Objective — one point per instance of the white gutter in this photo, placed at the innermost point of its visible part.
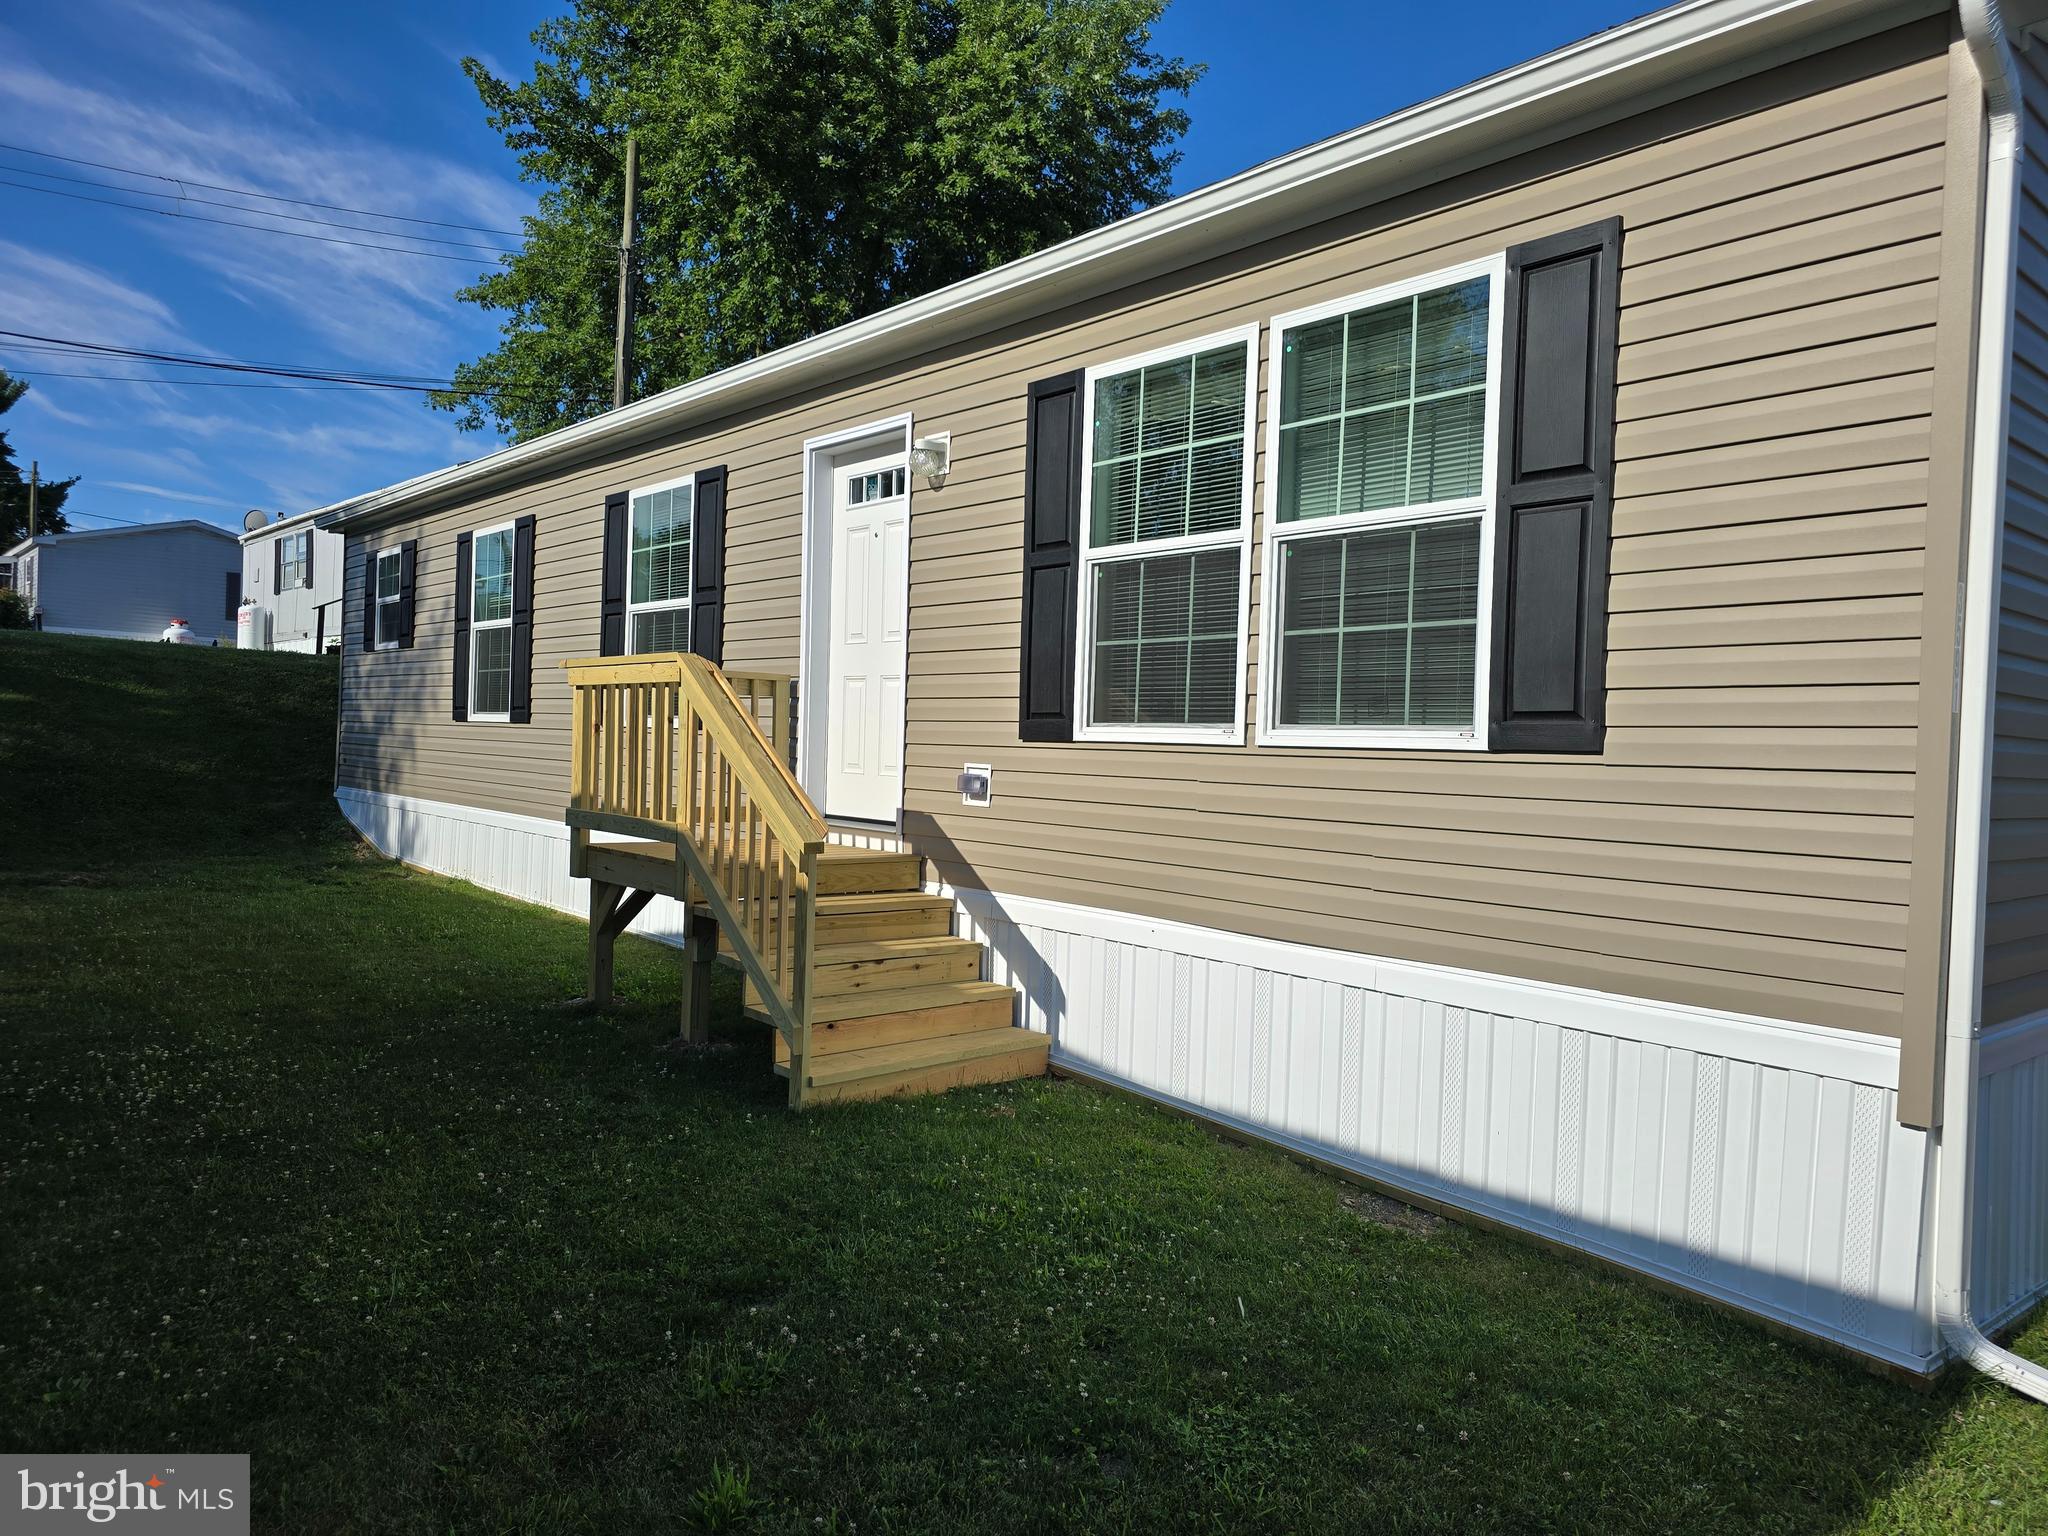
(1956, 1155)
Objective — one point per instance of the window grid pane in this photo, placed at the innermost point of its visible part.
(877, 485)
(491, 688)
(1379, 628)
(661, 546)
(491, 577)
(1168, 456)
(663, 629)
(1385, 407)
(387, 575)
(1165, 649)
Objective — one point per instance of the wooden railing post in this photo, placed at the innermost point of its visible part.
(800, 977)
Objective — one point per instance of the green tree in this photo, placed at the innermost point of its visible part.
(14, 482)
(803, 163)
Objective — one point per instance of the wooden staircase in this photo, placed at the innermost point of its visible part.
(898, 1004)
(854, 966)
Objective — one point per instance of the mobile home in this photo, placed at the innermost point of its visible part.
(291, 577)
(130, 583)
(1506, 652)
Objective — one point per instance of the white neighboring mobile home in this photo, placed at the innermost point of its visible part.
(291, 572)
(129, 583)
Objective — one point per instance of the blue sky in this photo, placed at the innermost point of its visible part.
(365, 106)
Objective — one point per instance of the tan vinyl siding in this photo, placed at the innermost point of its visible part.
(2016, 918)
(1744, 842)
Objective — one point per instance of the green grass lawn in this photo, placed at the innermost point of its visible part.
(301, 1154)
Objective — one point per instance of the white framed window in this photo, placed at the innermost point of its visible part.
(1166, 542)
(390, 593)
(1378, 555)
(291, 560)
(658, 518)
(490, 623)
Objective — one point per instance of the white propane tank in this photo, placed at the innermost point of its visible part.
(180, 633)
(252, 627)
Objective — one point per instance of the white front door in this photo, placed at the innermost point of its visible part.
(868, 655)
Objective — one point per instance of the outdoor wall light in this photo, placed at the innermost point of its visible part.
(932, 457)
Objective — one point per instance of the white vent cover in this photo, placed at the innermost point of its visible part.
(976, 783)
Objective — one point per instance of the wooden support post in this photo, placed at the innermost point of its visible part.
(604, 901)
(697, 958)
(612, 907)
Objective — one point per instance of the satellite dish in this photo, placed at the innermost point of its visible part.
(253, 519)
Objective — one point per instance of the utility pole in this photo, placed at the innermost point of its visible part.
(33, 476)
(622, 349)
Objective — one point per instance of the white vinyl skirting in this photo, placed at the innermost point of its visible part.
(1755, 1161)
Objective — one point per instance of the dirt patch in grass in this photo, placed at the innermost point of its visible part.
(1381, 1211)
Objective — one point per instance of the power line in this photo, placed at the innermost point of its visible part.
(267, 229)
(75, 354)
(186, 181)
(225, 364)
(68, 513)
(499, 391)
(324, 377)
(182, 197)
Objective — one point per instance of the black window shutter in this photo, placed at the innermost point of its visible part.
(522, 620)
(369, 599)
(234, 593)
(408, 562)
(276, 566)
(1555, 487)
(611, 640)
(306, 567)
(461, 678)
(707, 567)
(1052, 510)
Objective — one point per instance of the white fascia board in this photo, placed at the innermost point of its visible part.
(75, 535)
(1676, 51)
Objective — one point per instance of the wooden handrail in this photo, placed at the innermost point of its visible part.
(664, 747)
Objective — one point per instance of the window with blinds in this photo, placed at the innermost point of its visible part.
(490, 624)
(1165, 549)
(658, 576)
(1378, 535)
(390, 592)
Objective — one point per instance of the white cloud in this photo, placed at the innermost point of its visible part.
(215, 41)
(53, 295)
(142, 489)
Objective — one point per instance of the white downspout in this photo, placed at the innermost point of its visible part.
(1955, 1169)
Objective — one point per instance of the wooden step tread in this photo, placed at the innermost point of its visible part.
(881, 901)
(917, 1055)
(842, 853)
(890, 949)
(842, 1006)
